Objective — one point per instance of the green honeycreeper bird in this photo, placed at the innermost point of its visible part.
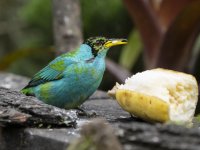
(69, 79)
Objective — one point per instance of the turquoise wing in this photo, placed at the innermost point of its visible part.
(53, 71)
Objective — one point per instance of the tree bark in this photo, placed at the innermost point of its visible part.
(67, 25)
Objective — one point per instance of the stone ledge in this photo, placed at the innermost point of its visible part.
(132, 133)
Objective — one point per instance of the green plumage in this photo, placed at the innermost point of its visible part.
(71, 78)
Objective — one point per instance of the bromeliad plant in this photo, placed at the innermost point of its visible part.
(168, 31)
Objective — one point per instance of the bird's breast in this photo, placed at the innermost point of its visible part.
(84, 75)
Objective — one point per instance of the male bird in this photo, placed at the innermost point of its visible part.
(69, 79)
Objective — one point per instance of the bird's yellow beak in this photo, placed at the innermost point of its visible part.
(114, 42)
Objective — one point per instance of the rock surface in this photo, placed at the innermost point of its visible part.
(17, 109)
(132, 133)
(143, 136)
(11, 81)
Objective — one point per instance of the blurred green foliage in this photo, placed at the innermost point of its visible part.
(105, 17)
(99, 18)
(131, 51)
(37, 18)
(37, 37)
(31, 30)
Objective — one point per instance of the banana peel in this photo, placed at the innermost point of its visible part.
(182, 96)
(149, 108)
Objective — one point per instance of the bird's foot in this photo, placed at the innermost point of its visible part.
(82, 112)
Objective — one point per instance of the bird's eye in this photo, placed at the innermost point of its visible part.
(98, 43)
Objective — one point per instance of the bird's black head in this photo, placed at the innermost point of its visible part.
(99, 44)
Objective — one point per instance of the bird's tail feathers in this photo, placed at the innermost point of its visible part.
(27, 91)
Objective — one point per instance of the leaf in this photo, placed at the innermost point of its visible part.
(169, 9)
(131, 51)
(176, 48)
(145, 19)
(12, 57)
(195, 55)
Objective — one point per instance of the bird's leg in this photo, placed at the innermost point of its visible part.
(82, 112)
